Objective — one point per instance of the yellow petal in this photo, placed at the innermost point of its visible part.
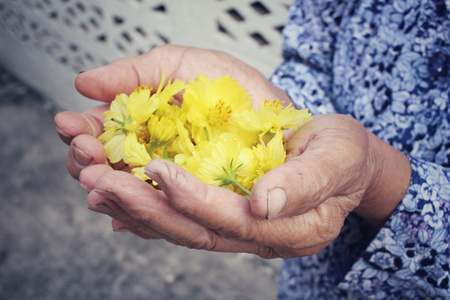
(114, 148)
(135, 153)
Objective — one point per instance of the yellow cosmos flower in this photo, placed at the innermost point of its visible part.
(139, 172)
(226, 163)
(210, 105)
(123, 117)
(136, 154)
(215, 134)
(161, 131)
(270, 118)
(182, 145)
(140, 106)
(269, 156)
(166, 94)
(130, 114)
(115, 132)
(117, 115)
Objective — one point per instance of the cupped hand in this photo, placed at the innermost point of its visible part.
(334, 166)
(124, 75)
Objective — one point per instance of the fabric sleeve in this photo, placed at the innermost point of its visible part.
(411, 252)
(309, 36)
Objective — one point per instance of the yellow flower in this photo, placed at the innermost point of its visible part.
(270, 118)
(161, 131)
(215, 134)
(166, 94)
(117, 115)
(210, 105)
(269, 156)
(225, 162)
(139, 172)
(130, 114)
(126, 114)
(142, 104)
(115, 132)
(136, 154)
(140, 107)
(182, 145)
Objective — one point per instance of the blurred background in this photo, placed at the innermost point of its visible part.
(51, 245)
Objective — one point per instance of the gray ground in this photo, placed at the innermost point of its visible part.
(53, 247)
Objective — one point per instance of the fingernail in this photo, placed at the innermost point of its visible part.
(80, 157)
(85, 187)
(121, 229)
(108, 194)
(276, 201)
(64, 136)
(153, 176)
(103, 209)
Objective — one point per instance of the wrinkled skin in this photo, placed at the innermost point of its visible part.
(334, 166)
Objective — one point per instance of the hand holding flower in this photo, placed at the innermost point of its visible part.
(330, 172)
(124, 75)
(333, 166)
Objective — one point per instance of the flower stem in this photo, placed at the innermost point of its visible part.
(206, 133)
(152, 147)
(166, 154)
(119, 122)
(240, 186)
(230, 177)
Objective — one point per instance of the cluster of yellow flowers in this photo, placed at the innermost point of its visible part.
(215, 133)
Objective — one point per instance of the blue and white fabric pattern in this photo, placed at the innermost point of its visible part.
(387, 64)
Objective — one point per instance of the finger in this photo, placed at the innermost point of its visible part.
(90, 174)
(121, 227)
(322, 162)
(151, 207)
(99, 203)
(229, 214)
(179, 62)
(84, 150)
(70, 124)
(118, 226)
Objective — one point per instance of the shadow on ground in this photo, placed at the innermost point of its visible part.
(53, 247)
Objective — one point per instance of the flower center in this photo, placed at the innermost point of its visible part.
(219, 114)
(142, 134)
(274, 106)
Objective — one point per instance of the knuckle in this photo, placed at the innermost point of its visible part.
(328, 229)
(202, 240)
(249, 233)
(267, 252)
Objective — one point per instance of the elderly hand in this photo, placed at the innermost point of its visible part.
(334, 166)
(295, 209)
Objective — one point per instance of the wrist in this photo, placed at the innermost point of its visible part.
(391, 174)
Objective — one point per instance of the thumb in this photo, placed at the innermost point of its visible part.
(125, 74)
(324, 161)
(104, 83)
(291, 188)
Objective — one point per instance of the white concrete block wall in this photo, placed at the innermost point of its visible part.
(47, 42)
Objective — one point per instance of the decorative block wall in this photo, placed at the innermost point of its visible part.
(47, 42)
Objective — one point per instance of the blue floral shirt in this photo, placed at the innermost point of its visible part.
(386, 63)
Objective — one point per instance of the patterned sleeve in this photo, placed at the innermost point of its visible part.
(401, 95)
(305, 74)
(411, 252)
